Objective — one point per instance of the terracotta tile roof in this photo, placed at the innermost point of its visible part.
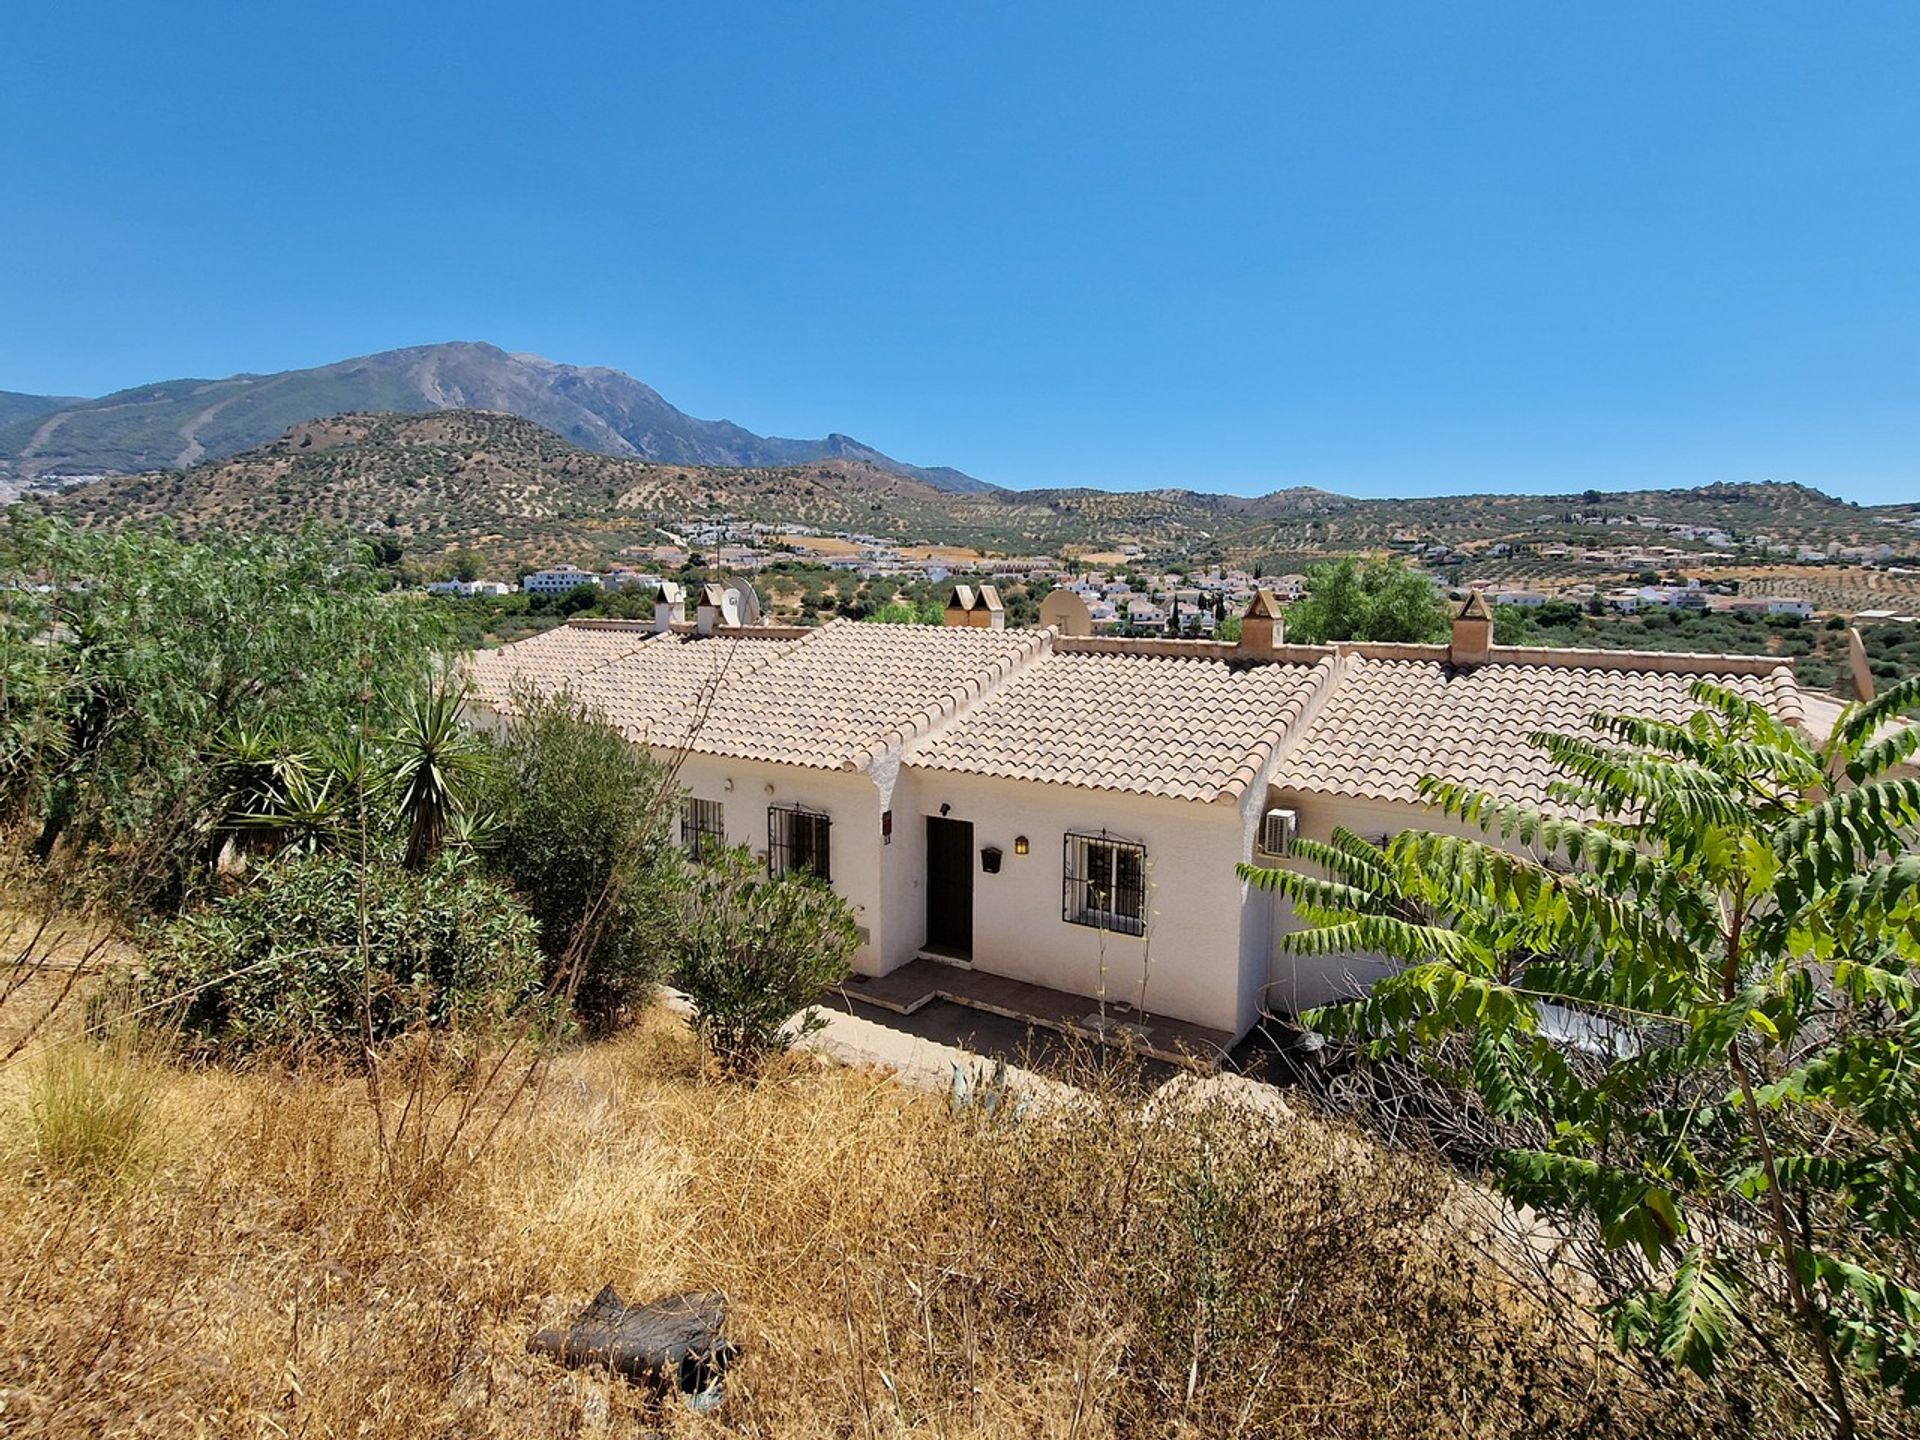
(665, 692)
(1190, 728)
(1388, 723)
(833, 698)
(642, 681)
(848, 692)
(550, 660)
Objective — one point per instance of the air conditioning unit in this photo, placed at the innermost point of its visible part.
(1277, 830)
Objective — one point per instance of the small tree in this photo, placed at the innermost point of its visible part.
(581, 825)
(1513, 625)
(435, 764)
(757, 951)
(126, 655)
(1731, 938)
(1382, 600)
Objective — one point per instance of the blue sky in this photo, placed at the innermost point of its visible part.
(1386, 249)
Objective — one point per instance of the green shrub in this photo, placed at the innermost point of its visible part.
(279, 966)
(757, 951)
(122, 677)
(583, 828)
(1378, 599)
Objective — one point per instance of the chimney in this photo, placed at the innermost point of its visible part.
(1472, 632)
(711, 613)
(988, 612)
(670, 608)
(1256, 626)
(960, 603)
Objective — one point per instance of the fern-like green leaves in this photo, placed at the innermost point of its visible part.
(1721, 920)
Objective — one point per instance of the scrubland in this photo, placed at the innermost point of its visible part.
(272, 1251)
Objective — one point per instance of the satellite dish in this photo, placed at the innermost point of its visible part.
(741, 603)
(1066, 612)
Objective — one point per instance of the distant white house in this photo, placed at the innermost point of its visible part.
(467, 589)
(1525, 599)
(558, 581)
(621, 578)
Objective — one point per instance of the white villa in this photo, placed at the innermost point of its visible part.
(1065, 811)
(558, 581)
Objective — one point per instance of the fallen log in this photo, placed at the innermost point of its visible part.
(675, 1343)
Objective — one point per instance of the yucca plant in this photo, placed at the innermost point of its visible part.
(435, 764)
(1690, 994)
(258, 770)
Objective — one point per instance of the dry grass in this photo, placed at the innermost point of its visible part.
(894, 1270)
(90, 1110)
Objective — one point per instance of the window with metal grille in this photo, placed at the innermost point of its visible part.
(703, 827)
(798, 839)
(1105, 883)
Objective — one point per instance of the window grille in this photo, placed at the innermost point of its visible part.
(1105, 883)
(703, 827)
(798, 840)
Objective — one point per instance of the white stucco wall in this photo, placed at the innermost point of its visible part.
(745, 788)
(1189, 964)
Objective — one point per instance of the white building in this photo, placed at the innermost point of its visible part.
(622, 578)
(1525, 599)
(558, 581)
(467, 589)
(1068, 811)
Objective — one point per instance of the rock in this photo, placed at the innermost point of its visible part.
(675, 1343)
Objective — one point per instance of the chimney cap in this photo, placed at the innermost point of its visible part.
(1476, 607)
(1265, 605)
(960, 598)
(989, 599)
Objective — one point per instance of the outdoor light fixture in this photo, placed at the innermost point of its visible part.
(1019, 844)
(945, 808)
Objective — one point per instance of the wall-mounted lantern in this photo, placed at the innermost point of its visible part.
(1019, 844)
(990, 859)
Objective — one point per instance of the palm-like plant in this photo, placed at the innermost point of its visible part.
(1735, 912)
(257, 771)
(434, 762)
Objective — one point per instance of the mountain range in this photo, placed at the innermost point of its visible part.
(178, 424)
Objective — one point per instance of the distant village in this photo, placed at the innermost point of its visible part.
(1129, 589)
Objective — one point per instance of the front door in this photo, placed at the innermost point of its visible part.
(950, 887)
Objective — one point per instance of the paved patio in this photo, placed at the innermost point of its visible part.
(920, 982)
